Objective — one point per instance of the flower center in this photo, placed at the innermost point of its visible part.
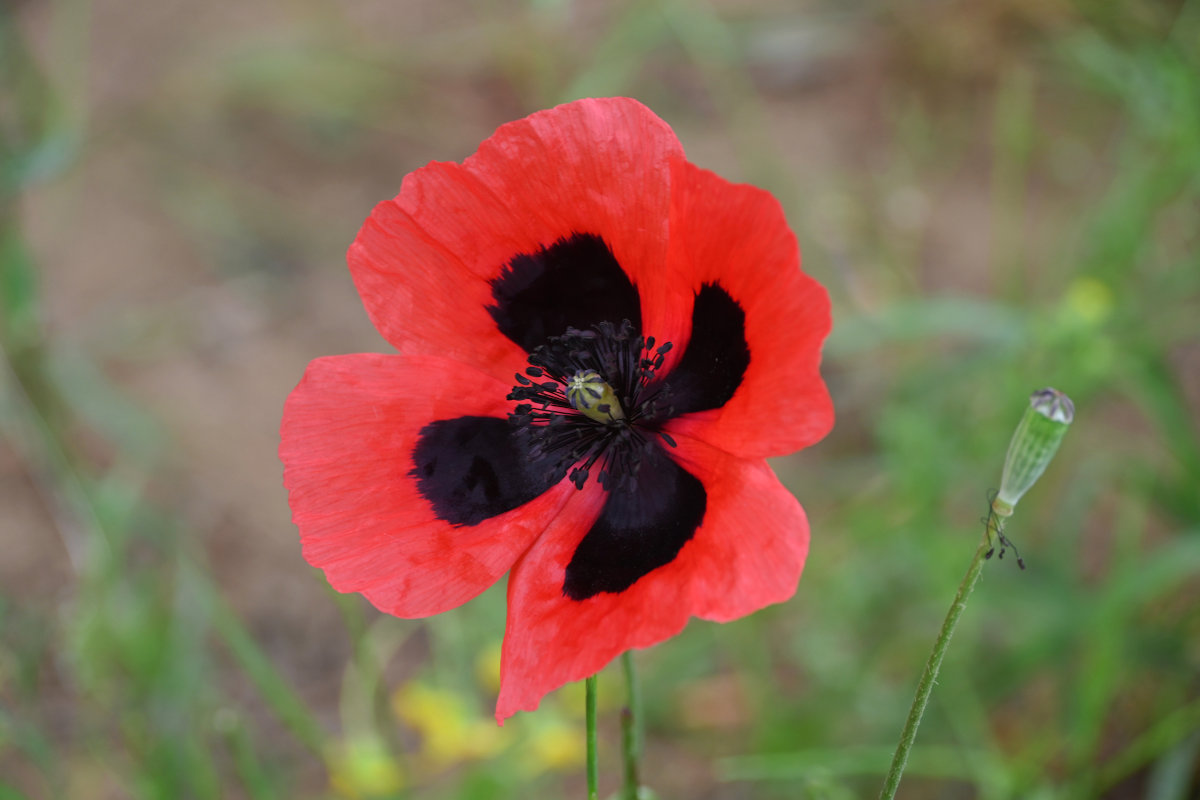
(587, 399)
(590, 395)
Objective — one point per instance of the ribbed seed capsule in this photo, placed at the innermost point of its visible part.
(591, 396)
(1033, 445)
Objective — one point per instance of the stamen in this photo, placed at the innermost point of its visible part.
(591, 403)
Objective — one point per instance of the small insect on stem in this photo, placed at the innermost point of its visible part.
(994, 521)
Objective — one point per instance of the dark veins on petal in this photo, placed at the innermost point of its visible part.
(472, 468)
(640, 529)
(575, 282)
(712, 367)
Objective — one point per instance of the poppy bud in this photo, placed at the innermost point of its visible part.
(591, 396)
(1033, 444)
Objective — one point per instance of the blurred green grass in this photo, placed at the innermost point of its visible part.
(998, 195)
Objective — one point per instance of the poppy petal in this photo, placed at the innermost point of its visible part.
(736, 237)
(472, 468)
(641, 528)
(425, 262)
(748, 553)
(751, 549)
(349, 433)
(575, 282)
(714, 363)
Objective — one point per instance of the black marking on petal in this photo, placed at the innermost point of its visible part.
(643, 526)
(473, 468)
(715, 361)
(575, 282)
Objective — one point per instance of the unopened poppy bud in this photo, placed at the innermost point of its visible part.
(1033, 444)
(591, 396)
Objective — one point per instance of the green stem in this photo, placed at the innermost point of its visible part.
(590, 703)
(631, 731)
(929, 677)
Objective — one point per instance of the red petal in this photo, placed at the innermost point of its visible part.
(347, 438)
(423, 261)
(737, 235)
(748, 553)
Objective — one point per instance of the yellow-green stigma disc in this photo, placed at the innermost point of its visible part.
(591, 396)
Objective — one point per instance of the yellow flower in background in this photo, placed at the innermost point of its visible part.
(551, 744)
(361, 768)
(487, 667)
(1088, 301)
(451, 732)
(1079, 328)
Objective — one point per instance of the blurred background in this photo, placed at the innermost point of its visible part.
(998, 194)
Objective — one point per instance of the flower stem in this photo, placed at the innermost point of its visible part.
(991, 533)
(590, 704)
(631, 731)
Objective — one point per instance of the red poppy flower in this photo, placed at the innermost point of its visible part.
(599, 344)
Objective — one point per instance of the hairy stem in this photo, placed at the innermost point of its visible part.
(590, 704)
(631, 731)
(991, 533)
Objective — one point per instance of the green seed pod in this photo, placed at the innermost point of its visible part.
(591, 396)
(1033, 444)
